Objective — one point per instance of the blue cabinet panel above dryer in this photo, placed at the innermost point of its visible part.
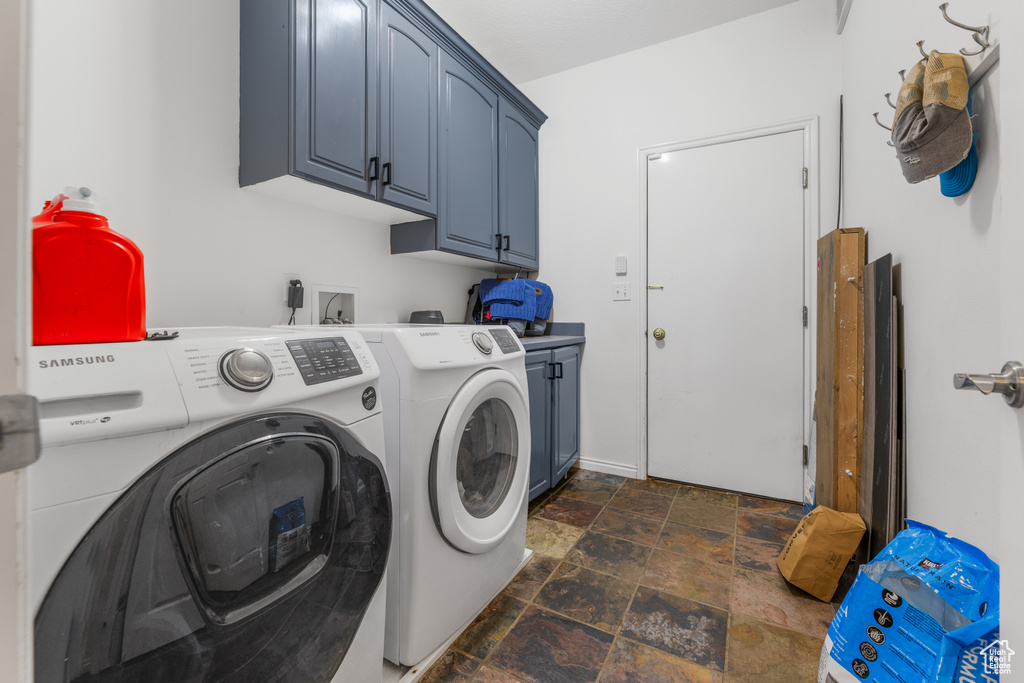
(519, 215)
(468, 213)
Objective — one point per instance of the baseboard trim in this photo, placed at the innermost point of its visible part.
(609, 468)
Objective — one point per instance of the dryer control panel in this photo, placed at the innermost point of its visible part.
(324, 360)
(506, 340)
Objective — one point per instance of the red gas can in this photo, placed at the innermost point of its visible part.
(88, 284)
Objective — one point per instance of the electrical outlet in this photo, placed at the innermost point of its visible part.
(620, 291)
(286, 283)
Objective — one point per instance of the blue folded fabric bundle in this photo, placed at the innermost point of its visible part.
(505, 291)
(512, 299)
(545, 300)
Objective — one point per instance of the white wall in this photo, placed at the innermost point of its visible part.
(139, 101)
(773, 67)
(780, 65)
(949, 249)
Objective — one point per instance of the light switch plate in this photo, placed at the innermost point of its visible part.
(620, 291)
(620, 265)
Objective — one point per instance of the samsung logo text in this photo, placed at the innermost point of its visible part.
(77, 360)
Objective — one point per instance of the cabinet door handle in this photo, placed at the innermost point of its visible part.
(499, 242)
(507, 242)
(558, 371)
(551, 371)
(386, 173)
(374, 163)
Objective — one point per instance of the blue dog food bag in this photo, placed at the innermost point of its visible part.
(926, 609)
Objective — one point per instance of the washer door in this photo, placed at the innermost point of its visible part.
(251, 553)
(481, 462)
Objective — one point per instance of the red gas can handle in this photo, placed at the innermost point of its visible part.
(49, 209)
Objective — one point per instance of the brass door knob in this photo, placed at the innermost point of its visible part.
(659, 333)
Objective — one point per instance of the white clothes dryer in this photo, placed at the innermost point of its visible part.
(212, 507)
(457, 434)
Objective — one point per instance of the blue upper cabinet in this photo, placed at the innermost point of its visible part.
(325, 129)
(519, 215)
(383, 100)
(408, 114)
(335, 131)
(468, 211)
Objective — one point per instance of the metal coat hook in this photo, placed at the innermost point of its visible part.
(980, 40)
(888, 142)
(979, 33)
(888, 100)
(920, 46)
(903, 75)
(975, 29)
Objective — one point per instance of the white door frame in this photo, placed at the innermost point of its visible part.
(809, 127)
(15, 292)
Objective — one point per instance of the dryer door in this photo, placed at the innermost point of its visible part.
(481, 462)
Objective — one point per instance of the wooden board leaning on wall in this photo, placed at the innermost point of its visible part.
(839, 402)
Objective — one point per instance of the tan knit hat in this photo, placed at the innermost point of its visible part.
(932, 129)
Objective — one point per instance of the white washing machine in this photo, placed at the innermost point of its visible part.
(457, 433)
(209, 508)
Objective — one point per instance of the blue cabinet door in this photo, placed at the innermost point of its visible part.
(566, 411)
(539, 395)
(335, 123)
(408, 114)
(519, 217)
(467, 211)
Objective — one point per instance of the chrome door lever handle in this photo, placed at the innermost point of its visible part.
(1008, 383)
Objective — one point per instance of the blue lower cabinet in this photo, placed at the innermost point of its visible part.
(554, 393)
(539, 390)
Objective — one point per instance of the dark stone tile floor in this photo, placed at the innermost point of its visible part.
(646, 581)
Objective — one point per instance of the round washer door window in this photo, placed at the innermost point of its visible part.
(481, 465)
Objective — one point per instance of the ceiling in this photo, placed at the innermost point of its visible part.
(529, 39)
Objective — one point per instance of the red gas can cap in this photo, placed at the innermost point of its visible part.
(80, 199)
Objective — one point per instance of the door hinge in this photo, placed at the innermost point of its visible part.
(805, 316)
(805, 177)
(19, 431)
(805, 456)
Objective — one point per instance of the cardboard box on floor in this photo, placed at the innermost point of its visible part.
(819, 550)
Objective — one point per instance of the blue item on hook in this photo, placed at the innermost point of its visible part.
(958, 180)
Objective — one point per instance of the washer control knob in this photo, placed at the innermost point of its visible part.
(483, 342)
(246, 369)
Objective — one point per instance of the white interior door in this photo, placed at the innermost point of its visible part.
(1011, 470)
(725, 250)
